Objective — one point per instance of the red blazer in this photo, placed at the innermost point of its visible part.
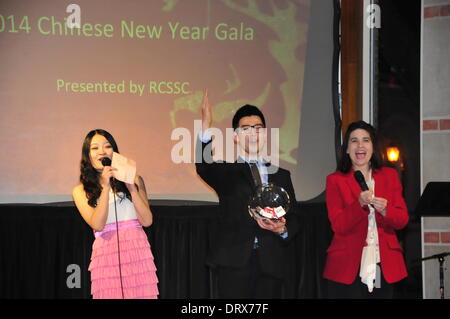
(349, 223)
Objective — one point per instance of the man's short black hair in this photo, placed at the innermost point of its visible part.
(247, 110)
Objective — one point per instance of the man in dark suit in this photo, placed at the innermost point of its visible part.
(249, 256)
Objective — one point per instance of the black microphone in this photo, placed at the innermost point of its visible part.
(362, 182)
(360, 179)
(106, 161)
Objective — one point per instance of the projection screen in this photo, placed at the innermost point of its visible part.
(138, 69)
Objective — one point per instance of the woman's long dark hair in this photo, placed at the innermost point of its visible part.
(345, 163)
(89, 176)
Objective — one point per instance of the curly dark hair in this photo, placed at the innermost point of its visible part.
(90, 177)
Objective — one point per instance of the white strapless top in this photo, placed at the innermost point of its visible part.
(125, 209)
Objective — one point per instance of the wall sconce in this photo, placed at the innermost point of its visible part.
(393, 154)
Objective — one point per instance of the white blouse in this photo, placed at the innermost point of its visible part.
(369, 271)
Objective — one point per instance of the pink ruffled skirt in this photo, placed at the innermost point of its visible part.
(138, 269)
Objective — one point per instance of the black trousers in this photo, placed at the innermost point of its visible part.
(358, 290)
(248, 282)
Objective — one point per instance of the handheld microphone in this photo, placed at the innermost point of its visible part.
(106, 161)
(362, 182)
(360, 179)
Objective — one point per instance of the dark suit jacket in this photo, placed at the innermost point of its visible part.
(234, 233)
(349, 223)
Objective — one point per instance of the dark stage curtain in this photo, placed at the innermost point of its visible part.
(39, 242)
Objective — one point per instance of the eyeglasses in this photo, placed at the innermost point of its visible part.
(247, 129)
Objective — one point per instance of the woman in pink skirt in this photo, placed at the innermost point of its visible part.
(122, 263)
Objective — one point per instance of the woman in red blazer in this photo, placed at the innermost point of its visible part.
(365, 257)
